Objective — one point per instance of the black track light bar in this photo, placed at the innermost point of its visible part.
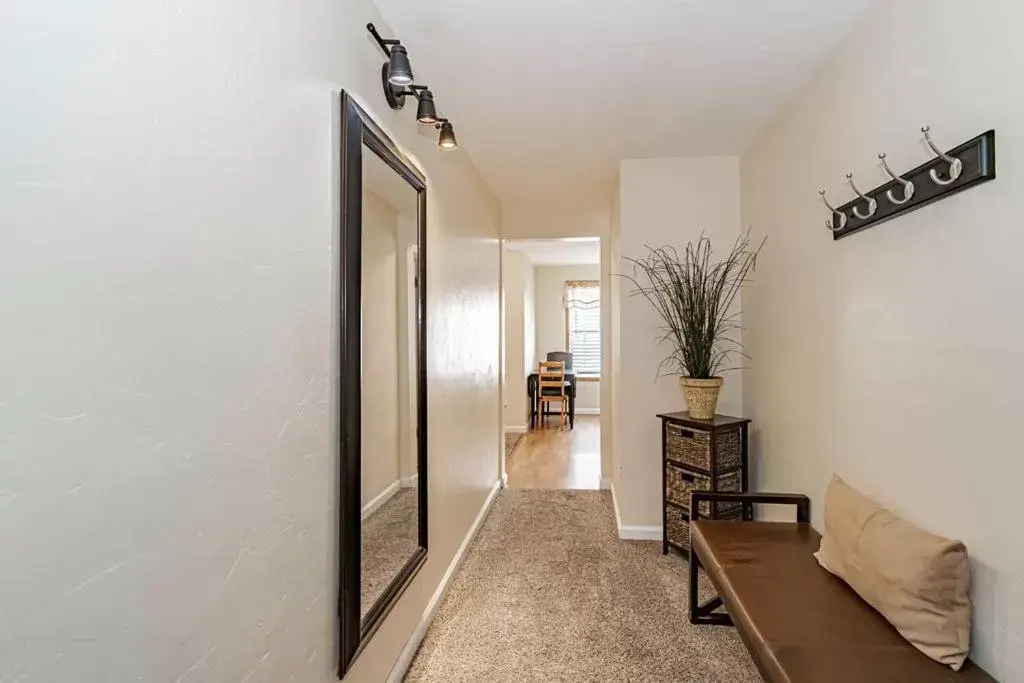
(384, 43)
(414, 90)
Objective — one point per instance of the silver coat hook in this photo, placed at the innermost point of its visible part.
(872, 204)
(956, 167)
(841, 220)
(908, 187)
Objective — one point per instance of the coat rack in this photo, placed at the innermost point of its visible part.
(963, 167)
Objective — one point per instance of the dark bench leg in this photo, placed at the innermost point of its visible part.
(704, 614)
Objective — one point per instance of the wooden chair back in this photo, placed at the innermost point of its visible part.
(551, 375)
(551, 388)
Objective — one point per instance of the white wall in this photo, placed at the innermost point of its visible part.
(168, 197)
(663, 202)
(380, 268)
(407, 363)
(611, 340)
(518, 296)
(893, 356)
(529, 304)
(550, 308)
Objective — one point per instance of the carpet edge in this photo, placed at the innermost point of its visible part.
(412, 646)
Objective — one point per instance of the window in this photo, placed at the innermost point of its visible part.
(583, 326)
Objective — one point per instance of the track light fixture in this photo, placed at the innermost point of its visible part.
(446, 140)
(396, 78)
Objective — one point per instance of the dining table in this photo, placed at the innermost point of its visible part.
(570, 391)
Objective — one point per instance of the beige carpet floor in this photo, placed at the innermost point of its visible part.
(548, 592)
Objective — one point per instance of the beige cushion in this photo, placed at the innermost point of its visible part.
(920, 582)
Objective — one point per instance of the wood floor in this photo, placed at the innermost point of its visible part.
(555, 459)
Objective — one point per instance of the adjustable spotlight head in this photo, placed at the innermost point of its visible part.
(399, 69)
(396, 73)
(425, 110)
(446, 140)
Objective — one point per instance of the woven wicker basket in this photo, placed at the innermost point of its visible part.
(678, 528)
(679, 484)
(701, 396)
(693, 448)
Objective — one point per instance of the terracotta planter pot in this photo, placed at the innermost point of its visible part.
(701, 396)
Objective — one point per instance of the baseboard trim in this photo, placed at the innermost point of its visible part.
(521, 429)
(409, 651)
(640, 533)
(633, 533)
(410, 481)
(606, 484)
(383, 497)
(615, 504)
(588, 411)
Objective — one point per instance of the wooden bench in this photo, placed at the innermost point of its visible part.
(799, 622)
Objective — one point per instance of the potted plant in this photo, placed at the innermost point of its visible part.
(695, 297)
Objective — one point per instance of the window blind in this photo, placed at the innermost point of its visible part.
(583, 319)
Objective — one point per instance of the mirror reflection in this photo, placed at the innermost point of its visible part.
(390, 524)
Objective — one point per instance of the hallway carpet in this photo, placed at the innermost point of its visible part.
(548, 592)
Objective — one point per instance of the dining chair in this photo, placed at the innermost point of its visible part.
(551, 388)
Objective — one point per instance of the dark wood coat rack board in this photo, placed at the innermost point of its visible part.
(979, 166)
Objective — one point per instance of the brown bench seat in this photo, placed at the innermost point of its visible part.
(800, 623)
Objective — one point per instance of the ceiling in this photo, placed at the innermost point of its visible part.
(559, 252)
(548, 95)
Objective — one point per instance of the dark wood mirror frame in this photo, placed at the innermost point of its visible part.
(357, 130)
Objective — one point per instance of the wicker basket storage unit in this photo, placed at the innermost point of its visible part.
(700, 455)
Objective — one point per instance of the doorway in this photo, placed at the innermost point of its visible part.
(551, 298)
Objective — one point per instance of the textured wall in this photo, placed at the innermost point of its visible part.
(663, 202)
(168, 204)
(611, 339)
(530, 356)
(517, 291)
(893, 356)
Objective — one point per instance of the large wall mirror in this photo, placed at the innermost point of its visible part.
(382, 381)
